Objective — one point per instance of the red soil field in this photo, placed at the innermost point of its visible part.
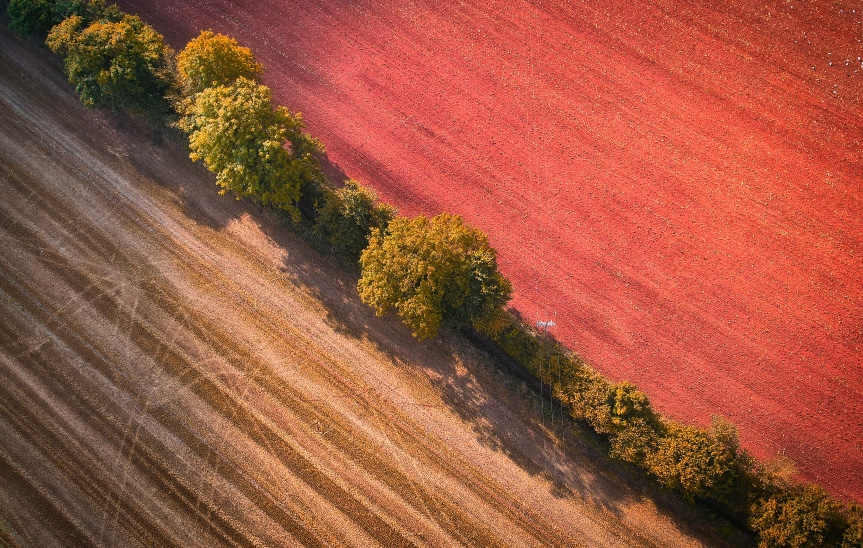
(679, 183)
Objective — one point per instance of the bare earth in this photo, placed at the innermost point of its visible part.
(680, 181)
(178, 370)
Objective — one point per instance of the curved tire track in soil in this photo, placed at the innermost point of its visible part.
(178, 371)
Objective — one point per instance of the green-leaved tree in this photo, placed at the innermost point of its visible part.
(124, 65)
(347, 218)
(255, 150)
(433, 272)
(34, 18)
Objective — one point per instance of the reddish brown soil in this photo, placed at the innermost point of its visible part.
(680, 183)
(177, 370)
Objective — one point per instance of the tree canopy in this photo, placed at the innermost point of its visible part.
(434, 272)
(122, 64)
(255, 150)
(36, 17)
(33, 17)
(695, 461)
(214, 60)
(798, 517)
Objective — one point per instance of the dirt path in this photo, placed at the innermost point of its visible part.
(177, 370)
(680, 182)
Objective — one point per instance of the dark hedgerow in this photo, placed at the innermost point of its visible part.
(35, 18)
(433, 272)
(347, 217)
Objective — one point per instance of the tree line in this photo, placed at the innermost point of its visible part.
(435, 273)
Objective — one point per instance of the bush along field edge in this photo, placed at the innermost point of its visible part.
(433, 272)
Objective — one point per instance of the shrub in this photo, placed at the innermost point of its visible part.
(797, 517)
(516, 340)
(636, 442)
(434, 272)
(618, 410)
(118, 64)
(695, 462)
(32, 17)
(35, 18)
(853, 518)
(347, 218)
(627, 416)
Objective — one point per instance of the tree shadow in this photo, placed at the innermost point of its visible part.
(505, 413)
(332, 170)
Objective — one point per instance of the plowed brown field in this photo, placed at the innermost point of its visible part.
(178, 371)
(679, 181)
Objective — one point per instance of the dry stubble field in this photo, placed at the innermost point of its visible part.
(178, 370)
(680, 181)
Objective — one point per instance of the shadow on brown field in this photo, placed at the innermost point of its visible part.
(499, 411)
(477, 390)
(503, 413)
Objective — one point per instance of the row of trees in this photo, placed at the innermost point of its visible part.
(433, 272)
(705, 465)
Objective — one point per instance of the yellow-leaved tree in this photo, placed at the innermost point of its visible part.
(698, 462)
(255, 150)
(212, 60)
(433, 272)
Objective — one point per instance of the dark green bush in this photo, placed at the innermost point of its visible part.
(32, 18)
(347, 217)
(35, 18)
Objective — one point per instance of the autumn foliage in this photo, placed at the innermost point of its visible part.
(433, 272)
(256, 151)
(122, 64)
(215, 60)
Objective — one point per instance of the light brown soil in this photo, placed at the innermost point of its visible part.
(679, 181)
(179, 370)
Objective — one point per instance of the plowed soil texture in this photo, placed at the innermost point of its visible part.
(676, 184)
(178, 370)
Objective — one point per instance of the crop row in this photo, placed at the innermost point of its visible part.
(434, 273)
